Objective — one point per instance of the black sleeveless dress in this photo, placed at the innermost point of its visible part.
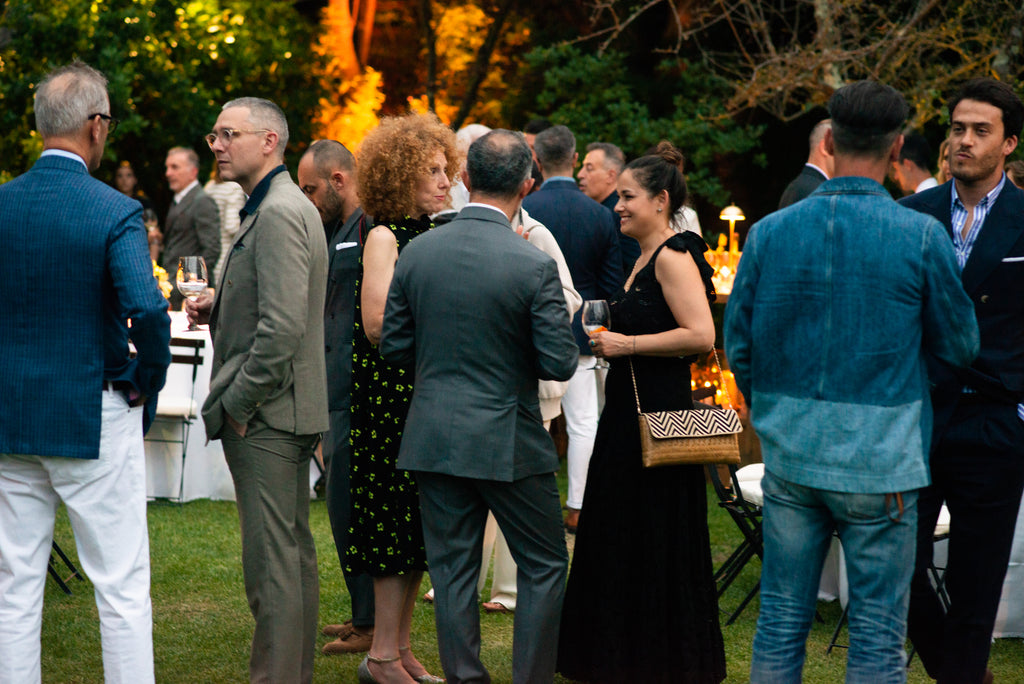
(385, 536)
(641, 603)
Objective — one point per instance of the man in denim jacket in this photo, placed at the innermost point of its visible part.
(837, 302)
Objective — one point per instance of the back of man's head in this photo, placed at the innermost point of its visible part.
(264, 114)
(916, 149)
(867, 118)
(555, 148)
(818, 135)
(330, 156)
(997, 94)
(67, 97)
(535, 126)
(498, 163)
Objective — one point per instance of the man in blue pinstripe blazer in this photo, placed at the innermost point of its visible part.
(71, 394)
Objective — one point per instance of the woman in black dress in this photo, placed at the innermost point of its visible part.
(641, 604)
(405, 167)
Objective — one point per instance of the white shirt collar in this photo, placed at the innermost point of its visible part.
(486, 206)
(927, 183)
(818, 169)
(188, 188)
(63, 153)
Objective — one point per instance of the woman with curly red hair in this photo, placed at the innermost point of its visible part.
(405, 170)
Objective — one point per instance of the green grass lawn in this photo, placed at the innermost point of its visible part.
(202, 624)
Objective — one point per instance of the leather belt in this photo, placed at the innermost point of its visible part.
(117, 386)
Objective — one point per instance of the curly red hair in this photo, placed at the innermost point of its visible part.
(394, 156)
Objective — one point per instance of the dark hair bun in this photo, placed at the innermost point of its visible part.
(671, 154)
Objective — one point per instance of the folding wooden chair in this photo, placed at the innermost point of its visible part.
(62, 582)
(747, 516)
(181, 409)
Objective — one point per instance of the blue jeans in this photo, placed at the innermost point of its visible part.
(798, 525)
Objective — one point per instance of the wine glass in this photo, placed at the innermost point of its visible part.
(191, 280)
(596, 318)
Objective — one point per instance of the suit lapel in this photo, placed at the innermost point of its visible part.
(177, 209)
(243, 230)
(1001, 230)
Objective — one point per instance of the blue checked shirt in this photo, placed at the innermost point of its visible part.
(965, 243)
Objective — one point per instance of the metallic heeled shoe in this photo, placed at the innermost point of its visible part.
(363, 672)
(426, 678)
(429, 679)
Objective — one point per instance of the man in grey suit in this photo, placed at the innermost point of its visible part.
(268, 386)
(327, 176)
(192, 227)
(482, 315)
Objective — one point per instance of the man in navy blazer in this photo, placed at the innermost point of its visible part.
(816, 171)
(327, 176)
(977, 457)
(71, 426)
(586, 234)
(481, 315)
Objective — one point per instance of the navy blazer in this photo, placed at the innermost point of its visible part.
(345, 251)
(994, 280)
(75, 268)
(806, 182)
(586, 234)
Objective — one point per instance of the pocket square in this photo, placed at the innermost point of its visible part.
(1010, 260)
(345, 245)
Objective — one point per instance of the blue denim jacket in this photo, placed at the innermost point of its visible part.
(837, 301)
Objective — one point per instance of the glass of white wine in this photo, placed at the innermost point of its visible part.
(596, 317)
(191, 280)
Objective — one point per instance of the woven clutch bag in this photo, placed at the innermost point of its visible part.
(694, 436)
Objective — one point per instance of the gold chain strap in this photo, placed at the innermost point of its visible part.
(725, 387)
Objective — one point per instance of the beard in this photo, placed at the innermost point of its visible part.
(975, 169)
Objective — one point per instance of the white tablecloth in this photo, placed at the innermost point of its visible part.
(206, 471)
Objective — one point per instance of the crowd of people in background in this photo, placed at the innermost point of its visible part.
(411, 315)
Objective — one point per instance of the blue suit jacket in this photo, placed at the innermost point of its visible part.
(75, 267)
(586, 234)
(994, 280)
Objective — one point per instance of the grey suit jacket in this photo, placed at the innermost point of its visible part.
(267, 319)
(192, 228)
(482, 314)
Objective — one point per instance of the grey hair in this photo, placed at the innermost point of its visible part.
(264, 114)
(189, 153)
(818, 134)
(66, 98)
(554, 147)
(498, 163)
(614, 158)
(330, 156)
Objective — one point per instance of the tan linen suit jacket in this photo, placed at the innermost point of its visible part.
(267, 319)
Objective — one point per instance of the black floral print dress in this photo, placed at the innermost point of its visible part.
(385, 537)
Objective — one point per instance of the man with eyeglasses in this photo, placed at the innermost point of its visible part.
(74, 397)
(268, 388)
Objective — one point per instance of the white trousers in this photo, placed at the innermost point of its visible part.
(106, 503)
(580, 407)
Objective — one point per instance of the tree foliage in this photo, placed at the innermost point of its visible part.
(788, 56)
(353, 93)
(171, 65)
(600, 99)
